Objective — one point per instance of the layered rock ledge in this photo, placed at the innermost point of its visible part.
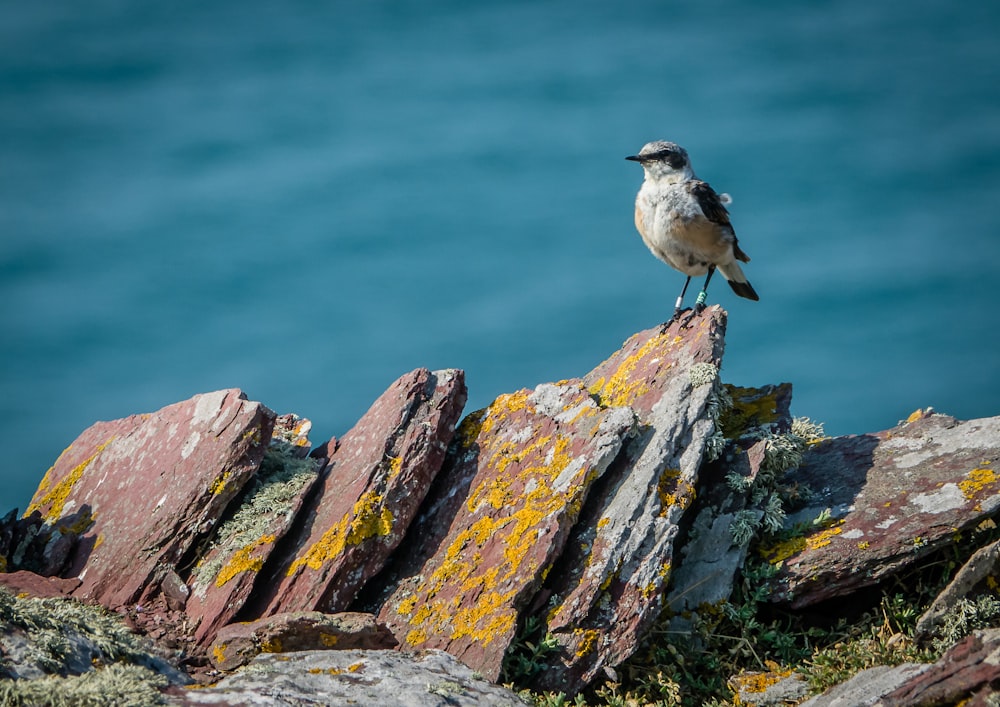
(583, 515)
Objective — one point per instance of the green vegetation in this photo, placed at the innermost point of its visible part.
(65, 633)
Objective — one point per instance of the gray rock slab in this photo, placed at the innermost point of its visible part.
(893, 497)
(386, 678)
(144, 489)
(867, 687)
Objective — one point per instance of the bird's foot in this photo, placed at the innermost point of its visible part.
(699, 307)
(676, 317)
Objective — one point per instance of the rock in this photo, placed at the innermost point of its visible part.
(384, 678)
(32, 544)
(983, 566)
(608, 588)
(62, 636)
(774, 687)
(224, 577)
(710, 559)
(237, 644)
(375, 480)
(23, 582)
(515, 480)
(146, 488)
(893, 497)
(969, 673)
(867, 687)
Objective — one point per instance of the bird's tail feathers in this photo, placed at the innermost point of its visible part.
(738, 281)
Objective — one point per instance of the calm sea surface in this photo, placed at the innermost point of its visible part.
(307, 200)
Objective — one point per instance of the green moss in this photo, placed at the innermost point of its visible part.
(51, 622)
(113, 686)
(279, 481)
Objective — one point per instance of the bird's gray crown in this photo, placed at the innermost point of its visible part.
(662, 151)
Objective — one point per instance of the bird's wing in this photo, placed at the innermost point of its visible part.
(711, 205)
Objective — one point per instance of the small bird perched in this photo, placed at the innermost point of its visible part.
(684, 222)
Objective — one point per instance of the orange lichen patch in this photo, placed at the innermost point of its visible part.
(55, 498)
(271, 645)
(243, 560)
(672, 491)
(395, 466)
(505, 511)
(368, 519)
(783, 550)
(219, 653)
(469, 428)
(755, 683)
(586, 640)
(219, 485)
(603, 522)
(749, 409)
(978, 480)
(623, 386)
(329, 639)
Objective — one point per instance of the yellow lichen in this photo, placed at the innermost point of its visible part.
(219, 653)
(368, 519)
(788, 548)
(520, 480)
(219, 485)
(271, 645)
(55, 498)
(242, 561)
(976, 481)
(624, 387)
(329, 639)
(586, 640)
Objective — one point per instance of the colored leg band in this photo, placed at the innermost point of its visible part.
(701, 297)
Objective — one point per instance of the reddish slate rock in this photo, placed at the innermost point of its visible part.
(222, 581)
(894, 497)
(237, 644)
(608, 588)
(373, 485)
(35, 585)
(145, 488)
(968, 674)
(515, 481)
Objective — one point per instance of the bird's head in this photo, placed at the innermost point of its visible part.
(662, 160)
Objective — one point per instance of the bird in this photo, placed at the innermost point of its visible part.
(684, 222)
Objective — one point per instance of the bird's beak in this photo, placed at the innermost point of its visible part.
(634, 158)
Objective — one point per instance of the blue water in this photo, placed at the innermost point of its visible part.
(307, 200)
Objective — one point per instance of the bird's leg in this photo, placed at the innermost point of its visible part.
(699, 303)
(680, 301)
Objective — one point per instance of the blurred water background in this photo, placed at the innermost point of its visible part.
(306, 200)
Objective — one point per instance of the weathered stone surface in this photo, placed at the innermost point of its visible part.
(376, 478)
(894, 497)
(867, 687)
(237, 644)
(144, 488)
(384, 678)
(515, 481)
(709, 559)
(608, 587)
(32, 544)
(775, 687)
(222, 581)
(983, 566)
(969, 673)
(36, 585)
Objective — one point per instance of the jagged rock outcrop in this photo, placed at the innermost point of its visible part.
(501, 513)
(578, 510)
(353, 677)
(607, 588)
(891, 498)
(373, 485)
(238, 643)
(138, 493)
